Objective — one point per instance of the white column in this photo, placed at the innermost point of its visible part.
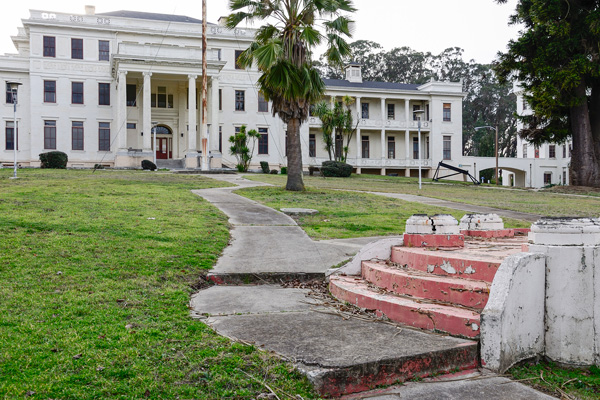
(122, 110)
(213, 139)
(383, 119)
(358, 137)
(407, 136)
(147, 113)
(192, 114)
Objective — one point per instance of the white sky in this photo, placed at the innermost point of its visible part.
(480, 27)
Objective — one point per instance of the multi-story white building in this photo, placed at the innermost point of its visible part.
(99, 87)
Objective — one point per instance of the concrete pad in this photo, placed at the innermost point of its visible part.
(475, 387)
(231, 300)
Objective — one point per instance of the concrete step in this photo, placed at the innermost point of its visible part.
(170, 164)
(414, 312)
(407, 281)
(448, 263)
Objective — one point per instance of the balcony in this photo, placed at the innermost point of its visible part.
(153, 52)
(364, 123)
(376, 162)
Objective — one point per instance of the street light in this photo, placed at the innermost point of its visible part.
(495, 147)
(419, 113)
(154, 123)
(14, 87)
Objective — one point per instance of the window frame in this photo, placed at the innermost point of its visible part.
(129, 93)
(103, 94)
(263, 141)
(49, 49)
(74, 93)
(9, 94)
(365, 147)
(77, 135)
(364, 110)
(12, 135)
(48, 92)
(240, 100)
(49, 134)
(447, 150)
(416, 107)
(103, 141)
(103, 54)
(391, 112)
(312, 145)
(76, 49)
(416, 150)
(552, 151)
(262, 102)
(237, 55)
(391, 141)
(447, 112)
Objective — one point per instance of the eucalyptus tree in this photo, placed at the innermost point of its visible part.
(282, 50)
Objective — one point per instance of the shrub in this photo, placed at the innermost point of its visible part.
(98, 166)
(274, 172)
(336, 169)
(147, 164)
(240, 147)
(54, 160)
(283, 170)
(265, 167)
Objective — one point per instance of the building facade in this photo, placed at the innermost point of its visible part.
(120, 87)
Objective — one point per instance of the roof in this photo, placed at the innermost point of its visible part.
(371, 85)
(152, 16)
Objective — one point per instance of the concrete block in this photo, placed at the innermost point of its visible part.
(380, 250)
(435, 241)
(481, 222)
(566, 232)
(512, 323)
(438, 224)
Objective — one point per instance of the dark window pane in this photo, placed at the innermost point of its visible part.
(263, 105)
(365, 110)
(391, 147)
(131, 95)
(77, 49)
(237, 56)
(447, 112)
(50, 135)
(50, 91)
(104, 136)
(162, 97)
(391, 111)
(415, 148)
(131, 125)
(103, 50)
(77, 135)
(312, 145)
(104, 94)
(263, 141)
(240, 100)
(9, 95)
(10, 138)
(447, 148)
(77, 92)
(49, 46)
(365, 147)
(220, 99)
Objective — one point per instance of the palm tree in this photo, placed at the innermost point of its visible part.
(336, 124)
(282, 50)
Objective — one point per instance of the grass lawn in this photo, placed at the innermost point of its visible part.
(582, 384)
(546, 203)
(350, 214)
(96, 270)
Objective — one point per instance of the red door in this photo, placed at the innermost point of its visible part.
(162, 152)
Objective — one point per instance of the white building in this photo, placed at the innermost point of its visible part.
(96, 86)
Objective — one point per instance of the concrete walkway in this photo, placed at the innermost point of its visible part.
(336, 350)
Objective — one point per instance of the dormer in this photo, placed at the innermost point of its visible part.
(354, 73)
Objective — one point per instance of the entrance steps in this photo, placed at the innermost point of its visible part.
(170, 164)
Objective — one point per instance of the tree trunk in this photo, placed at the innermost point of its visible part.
(585, 170)
(294, 156)
(594, 109)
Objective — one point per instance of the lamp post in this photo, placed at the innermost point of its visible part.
(14, 87)
(419, 113)
(495, 147)
(154, 123)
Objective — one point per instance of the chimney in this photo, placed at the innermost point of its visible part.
(222, 21)
(354, 73)
(90, 10)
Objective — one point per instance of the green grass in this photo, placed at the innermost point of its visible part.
(583, 384)
(546, 203)
(349, 214)
(96, 270)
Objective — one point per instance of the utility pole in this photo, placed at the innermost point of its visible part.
(205, 151)
(497, 181)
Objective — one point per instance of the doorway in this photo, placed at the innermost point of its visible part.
(164, 142)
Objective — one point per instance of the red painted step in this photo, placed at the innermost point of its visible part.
(452, 320)
(414, 283)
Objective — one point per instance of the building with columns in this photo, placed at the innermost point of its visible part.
(120, 87)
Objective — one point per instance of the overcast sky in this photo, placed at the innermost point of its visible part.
(480, 27)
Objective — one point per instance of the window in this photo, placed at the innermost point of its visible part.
(365, 110)
(427, 112)
(552, 151)
(416, 115)
(447, 112)
(564, 177)
(131, 125)
(77, 135)
(547, 178)
(263, 105)
(312, 145)
(50, 135)
(104, 94)
(162, 100)
(76, 92)
(220, 139)
(427, 156)
(103, 50)
(220, 99)
(415, 148)
(391, 150)
(49, 91)
(77, 49)
(104, 136)
(339, 146)
(131, 90)
(524, 150)
(447, 148)
(564, 151)
(365, 147)
(263, 141)
(49, 46)
(238, 53)
(10, 136)
(391, 108)
(537, 152)
(9, 95)
(240, 100)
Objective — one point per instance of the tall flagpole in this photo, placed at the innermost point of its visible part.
(205, 155)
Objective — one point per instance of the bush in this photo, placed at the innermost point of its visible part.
(336, 169)
(274, 172)
(54, 160)
(148, 165)
(265, 167)
(283, 170)
(98, 166)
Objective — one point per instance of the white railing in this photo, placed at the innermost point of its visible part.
(376, 162)
(379, 123)
(157, 51)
